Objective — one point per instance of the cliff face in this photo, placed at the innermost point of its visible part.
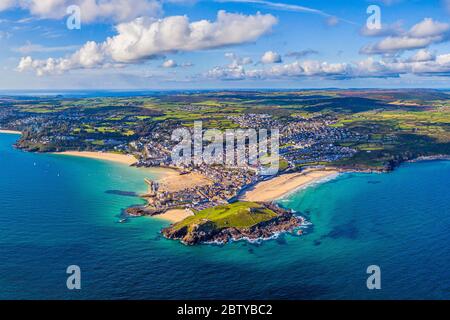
(205, 231)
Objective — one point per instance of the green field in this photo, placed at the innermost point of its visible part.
(392, 125)
(238, 215)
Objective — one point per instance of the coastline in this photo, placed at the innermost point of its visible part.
(264, 191)
(169, 179)
(285, 184)
(107, 156)
(10, 132)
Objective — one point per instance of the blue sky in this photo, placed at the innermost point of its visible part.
(187, 44)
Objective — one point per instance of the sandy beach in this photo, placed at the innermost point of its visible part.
(175, 215)
(282, 185)
(10, 132)
(173, 181)
(108, 156)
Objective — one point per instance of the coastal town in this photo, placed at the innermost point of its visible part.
(326, 131)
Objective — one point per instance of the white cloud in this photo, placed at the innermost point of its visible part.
(395, 44)
(6, 4)
(91, 10)
(422, 55)
(237, 60)
(227, 73)
(235, 70)
(429, 28)
(421, 63)
(394, 29)
(294, 69)
(307, 68)
(421, 35)
(271, 57)
(89, 56)
(169, 64)
(142, 38)
(145, 38)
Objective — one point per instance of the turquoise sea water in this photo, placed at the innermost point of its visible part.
(56, 211)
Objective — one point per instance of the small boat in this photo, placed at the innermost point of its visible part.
(122, 220)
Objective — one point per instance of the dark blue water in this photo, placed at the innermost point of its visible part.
(57, 211)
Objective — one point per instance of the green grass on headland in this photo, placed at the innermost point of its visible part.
(238, 215)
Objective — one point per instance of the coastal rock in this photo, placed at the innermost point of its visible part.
(141, 211)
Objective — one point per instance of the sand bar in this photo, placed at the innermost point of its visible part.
(175, 215)
(10, 131)
(108, 156)
(282, 185)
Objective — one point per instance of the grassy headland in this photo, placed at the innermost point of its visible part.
(234, 221)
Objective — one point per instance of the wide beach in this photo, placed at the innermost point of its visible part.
(168, 179)
(108, 156)
(285, 184)
(10, 132)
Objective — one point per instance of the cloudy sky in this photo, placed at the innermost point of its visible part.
(188, 44)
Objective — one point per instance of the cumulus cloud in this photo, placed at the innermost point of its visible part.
(91, 10)
(227, 73)
(422, 55)
(235, 70)
(421, 63)
(294, 69)
(89, 56)
(237, 60)
(144, 38)
(306, 68)
(271, 57)
(429, 28)
(420, 36)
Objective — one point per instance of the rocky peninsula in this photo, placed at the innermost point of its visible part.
(238, 221)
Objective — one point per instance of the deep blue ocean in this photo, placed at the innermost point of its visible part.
(57, 211)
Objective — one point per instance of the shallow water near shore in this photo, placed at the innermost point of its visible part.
(59, 211)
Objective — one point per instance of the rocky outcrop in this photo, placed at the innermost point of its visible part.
(142, 211)
(206, 231)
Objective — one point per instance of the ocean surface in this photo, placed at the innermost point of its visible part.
(57, 211)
